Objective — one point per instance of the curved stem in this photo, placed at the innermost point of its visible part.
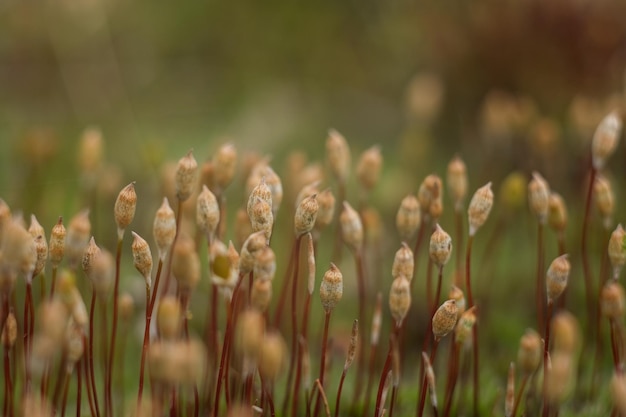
(518, 398)
(386, 369)
(343, 377)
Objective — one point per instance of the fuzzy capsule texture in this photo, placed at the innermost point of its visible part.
(338, 155)
(430, 198)
(331, 288)
(560, 377)
(479, 208)
(262, 218)
(186, 175)
(169, 317)
(539, 196)
(605, 199)
(440, 247)
(102, 273)
(249, 251)
(261, 191)
(351, 227)
(224, 164)
(77, 239)
(265, 265)
(142, 258)
(612, 300)
(369, 167)
(306, 191)
(263, 172)
(185, 263)
(408, 217)
(605, 139)
(403, 262)
(36, 229)
(9, 331)
(326, 209)
(463, 328)
(399, 299)
(91, 251)
(529, 352)
(556, 277)
(457, 181)
(124, 209)
(445, 319)
(457, 295)
(354, 338)
(207, 211)
(164, 228)
(618, 392)
(56, 247)
(617, 250)
(261, 294)
(557, 213)
(306, 214)
(18, 249)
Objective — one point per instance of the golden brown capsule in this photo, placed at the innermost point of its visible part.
(272, 355)
(617, 250)
(124, 210)
(445, 319)
(9, 331)
(369, 167)
(408, 218)
(399, 299)
(556, 277)
(457, 181)
(463, 328)
(261, 294)
(142, 258)
(186, 176)
(479, 208)
(440, 246)
(539, 196)
(331, 288)
(169, 318)
(612, 300)
(224, 165)
(164, 228)
(306, 215)
(530, 351)
(457, 295)
(326, 209)
(430, 198)
(207, 212)
(605, 139)
(354, 338)
(185, 263)
(557, 213)
(249, 332)
(338, 155)
(56, 247)
(403, 262)
(351, 227)
(605, 199)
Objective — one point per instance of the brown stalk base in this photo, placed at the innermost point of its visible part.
(79, 387)
(362, 289)
(8, 385)
(546, 353)
(85, 358)
(91, 381)
(343, 377)
(320, 380)
(520, 393)
(453, 373)
(386, 368)
(422, 401)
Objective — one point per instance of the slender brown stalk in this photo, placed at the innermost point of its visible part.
(91, 381)
(294, 320)
(296, 389)
(453, 372)
(59, 386)
(168, 269)
(337, 247)
(374, 338)
(520, 393)
(540, 278)
(323, 357)
(86, 358)
(470, 298)
(283, 290)
(362, 289)
(615, 347)
(386, 369)
(28, 331)
(584, 248)
(54, 281)
(226, 345)
(322, 394)
(458, 278)
(79, 388)
(144, 350)
(155, 288)
(546, 354)
(422, 401)
(66, 386)
(8, 384)
(108, 406)
(343, 377)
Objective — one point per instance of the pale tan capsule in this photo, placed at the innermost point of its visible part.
(430, 379)
(186, 176)
(440, 246)
(351, 227)
(429, 193)
(403, 262)
(90, 152)
(41, 247)
(445, 319)
(169, 318)
(265, 265)
(272, 356)
(479, 208)
(242, 228)
(605, 199)
(124, 210)
(399, 299)
(261, 218)
(261, 191)
(560, 377)
(331, 288)
(224, 264)
(185, 263)
(18, 249)
(78, 310)
(306, 191)
(338, 155)
(207, 212)
(354, 338)
(617, 250)
(557, 213)
(77, 239)
(9, 331)
(612, 300)
(261, 294)
(102, 273)
(530, 350)
(326, 209)
(91, 251)
(409, 217)
(372, 224)
(463, 328)
(306, 214)
(36, 229)
(249, 333)
(457, 181)
(142, 258)
(509, 399)
(377, 319)
(73, 346)
(369, 166)
(249, 251)
(556, 277)
(126, 306)
(618, 392)
(605, 139)
(539, 196)
(457, 295)
(164, 228)
(263, 170)
(566, 332)
(56, 247)
(224, 165)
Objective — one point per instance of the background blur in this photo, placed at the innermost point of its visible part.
(421, 78)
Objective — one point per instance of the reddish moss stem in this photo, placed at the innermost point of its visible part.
(92, 378)
(323, 359)
(546, 354)
(520, 393)
(362, 289)
(108, 410)
(422, 401)
(584, 248)
(540, 282)
(386, 369)
(294, 319)
(8, 384)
